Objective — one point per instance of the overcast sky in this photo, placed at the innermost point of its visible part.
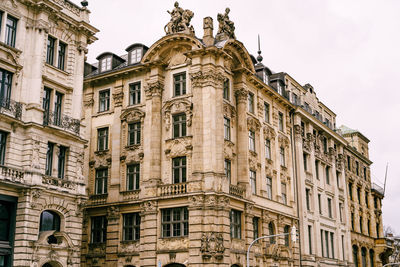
(348, 50)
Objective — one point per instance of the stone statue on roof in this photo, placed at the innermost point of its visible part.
(226, 29)
(180, 21)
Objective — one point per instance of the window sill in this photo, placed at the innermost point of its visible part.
(101, 113)
(101, 152)
(57, 69)
(132, 147)
(253, 153)
(130, 241)
(170, 238)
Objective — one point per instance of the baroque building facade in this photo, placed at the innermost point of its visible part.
(42, 50)
(369, 246)
(189, 158)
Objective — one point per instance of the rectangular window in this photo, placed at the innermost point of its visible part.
(62, 49)
(180, 84)
(325, 144)
(332, 245)
(179, 122)
(342, 247)
(359, 195)
(131, 226)
(377, 230)
(99, 229)
(348, 163)
(280, 121)
(3, 143)
(134, 93)
(294, 98)
(61, 161)
(327, 243)
(227, 166)
(135, 55)
(357, 168)
(46, 101)
(236, 224)
(105, 64)
(267, 149)
(266, 112)
(361, 225)
(49, 159)
(104, 100)
(132, 177)
(252, 141)
(317, 169)
(101, 181)
(284, 193)
(282, 156)
(338, 178)
(179, 170)
(256, 226)
(365, 173)
(369, 227)
(341, 212)
(352, 221)
(310, 239)
(51, 44)
(269, 187)
(175, 222)
(134, 133)
(327, 171)
(251, 102)
(351, 191)
(366, 199)
(5, 88)
(308, 199)
(319, 204)
(11, 31)
(227, 128)
(305, 161)
(226, 94)
(330, 208)
(102, 139)
(322, 243)
(58, 109)
(253, 182)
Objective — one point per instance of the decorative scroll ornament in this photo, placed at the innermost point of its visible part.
(212, 244)
(180, 21)
(226, 29)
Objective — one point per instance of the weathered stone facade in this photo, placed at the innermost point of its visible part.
(222, 145)
(42, 187)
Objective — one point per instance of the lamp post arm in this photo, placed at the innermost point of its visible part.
(255, 240)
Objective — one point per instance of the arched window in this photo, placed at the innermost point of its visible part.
(355, 255)
(364, 257)
(271, 230)
(49, 220)
(235, 265)
(286, 230)
(371, 258)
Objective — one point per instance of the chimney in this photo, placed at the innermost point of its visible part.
(208, 27)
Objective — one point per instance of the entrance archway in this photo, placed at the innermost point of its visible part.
(174, 265)
(52, 264)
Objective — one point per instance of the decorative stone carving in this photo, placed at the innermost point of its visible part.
(226, 28)
(180, 21)
(253, 123)
(297, 130)
(269, 132)
(229, 111)
(132, 115)
(229, 150)
(283, 140)
(153, 89)
(212, 245)
(241, 94)
(129, 248)
(149, 206)
(176, 106)
(196, 201)
(113, 214)
(35, 154)
(211, 201)
(173, 244)
(35, 195)
(207, 78)
(118, 98)
(79, 166)
(178, 147)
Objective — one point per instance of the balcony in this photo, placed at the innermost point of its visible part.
(11, 174)
(11, 108)
(98, 199)
(236, 190)
(130, 195)
(61, 121)
(378, 189)
(172, 189)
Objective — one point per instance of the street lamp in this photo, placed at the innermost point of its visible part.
(292, 234)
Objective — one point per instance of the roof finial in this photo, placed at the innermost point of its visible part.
(259, 57)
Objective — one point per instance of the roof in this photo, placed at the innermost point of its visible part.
(348, 131)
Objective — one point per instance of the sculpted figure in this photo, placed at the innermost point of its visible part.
(180, 20)
(226, 26)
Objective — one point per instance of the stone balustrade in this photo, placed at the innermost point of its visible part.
(11, 174)
(172, 189)
(98, 199)
(236, 190)
(130, 195)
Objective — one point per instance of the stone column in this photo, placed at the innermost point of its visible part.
(242, 137)
(148, 234)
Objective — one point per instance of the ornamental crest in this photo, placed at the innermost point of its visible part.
(212, 244)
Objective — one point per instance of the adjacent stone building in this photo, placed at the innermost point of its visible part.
(190, 155)
(369, 246)
(42, 50)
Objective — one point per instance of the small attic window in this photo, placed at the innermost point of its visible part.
(105, 64)
(265, 77)
(135, 55)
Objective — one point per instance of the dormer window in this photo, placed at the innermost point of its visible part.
(105, 64)
(279, 88)
(265, 77)
(135, 55)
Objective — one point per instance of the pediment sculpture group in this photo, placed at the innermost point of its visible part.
(180, 22)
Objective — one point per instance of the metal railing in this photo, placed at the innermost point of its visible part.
(62, 121)
(377, 188)
(11, 108)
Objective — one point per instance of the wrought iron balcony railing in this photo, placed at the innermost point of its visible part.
(63, 121)
(11, 108)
